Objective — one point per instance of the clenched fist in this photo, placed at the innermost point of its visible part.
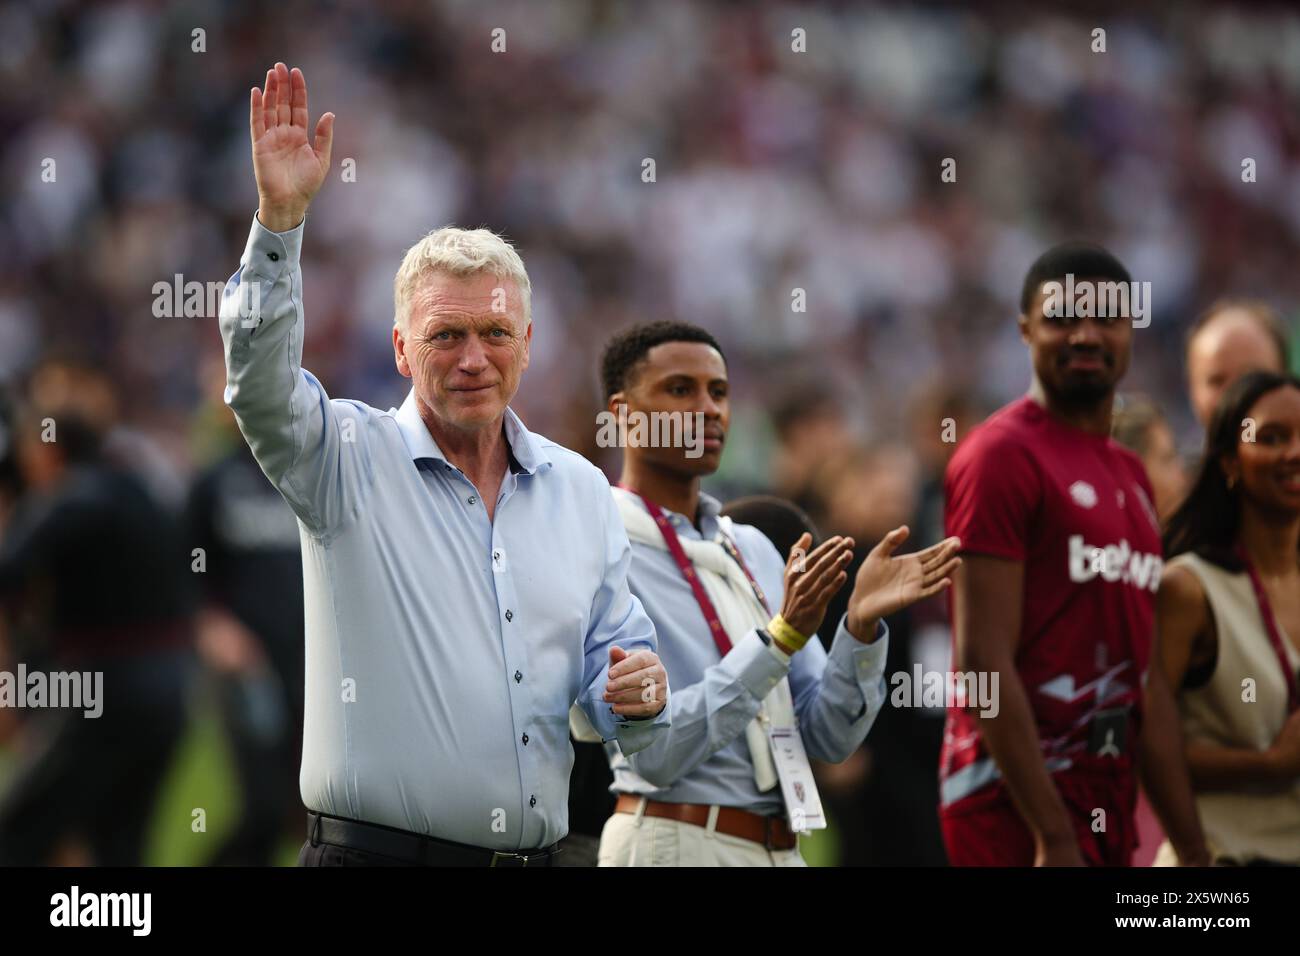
(638, 684)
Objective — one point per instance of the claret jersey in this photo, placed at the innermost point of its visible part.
(1076, 509)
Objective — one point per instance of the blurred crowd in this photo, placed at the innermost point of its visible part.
(796, 210)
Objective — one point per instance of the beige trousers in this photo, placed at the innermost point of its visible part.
(632, 839)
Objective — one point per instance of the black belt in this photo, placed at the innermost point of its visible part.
(407, 847)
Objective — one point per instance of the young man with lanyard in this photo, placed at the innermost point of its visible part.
(753, 697)
(1057, 596)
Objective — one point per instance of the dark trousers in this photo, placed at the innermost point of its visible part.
(323, 854)
(318, 853)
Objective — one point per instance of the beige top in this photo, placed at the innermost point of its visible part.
(1240, 825)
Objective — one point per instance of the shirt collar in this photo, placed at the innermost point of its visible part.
(524, 446)
(709, 508)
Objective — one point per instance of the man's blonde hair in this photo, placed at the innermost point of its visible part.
(459, 253)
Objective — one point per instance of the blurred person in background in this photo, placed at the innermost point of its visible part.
(11, 486)
(94, 577)
(250, 633)
(1140, 426)
(782, 522)
(1229, 616)
(940, 416)
(715, 790)
(886, 804)
(810, 426)
(11, 482)
(66, 382)
(1229, 339)
(1057, 598)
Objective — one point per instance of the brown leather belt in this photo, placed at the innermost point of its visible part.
(770, 832)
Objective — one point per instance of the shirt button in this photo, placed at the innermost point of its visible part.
(532, 801)
(525, 740)
(518, 677)
(509, 616)
(472, 499)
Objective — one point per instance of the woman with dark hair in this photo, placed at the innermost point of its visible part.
(1229, 624)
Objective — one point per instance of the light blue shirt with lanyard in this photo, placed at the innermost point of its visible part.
(704, 757)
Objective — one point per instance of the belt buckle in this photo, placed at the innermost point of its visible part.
(498, 855)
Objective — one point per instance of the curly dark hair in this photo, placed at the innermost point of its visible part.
(630, 346)
(1085, 260)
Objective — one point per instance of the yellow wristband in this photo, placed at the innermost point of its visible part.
(781, 630)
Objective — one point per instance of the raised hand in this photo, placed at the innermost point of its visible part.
(289, 169)
(886, 584)
(811, 580)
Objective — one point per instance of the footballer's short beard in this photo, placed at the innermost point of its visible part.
(1081, 395)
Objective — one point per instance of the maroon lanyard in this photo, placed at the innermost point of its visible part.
(730, 547)
(1274, 632)
(688, 571)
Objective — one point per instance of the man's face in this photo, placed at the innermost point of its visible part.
(681, 378)
(1079, 361)
(1269, 467)
(1231, 345)
(465, 348)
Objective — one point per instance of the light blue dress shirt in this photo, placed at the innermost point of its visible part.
(704, 757)
(443, 650)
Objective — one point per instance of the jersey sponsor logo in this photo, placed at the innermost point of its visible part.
(1084, 495)
(1115, 563)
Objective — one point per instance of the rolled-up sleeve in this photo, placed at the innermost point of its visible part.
(313, 450)
(617, 618)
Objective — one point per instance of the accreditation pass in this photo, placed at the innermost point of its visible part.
(802, 802)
